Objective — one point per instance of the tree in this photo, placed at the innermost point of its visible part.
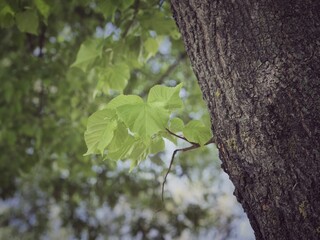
(257, 64)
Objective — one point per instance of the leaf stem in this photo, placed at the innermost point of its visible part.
(209, 142)
(172, 133)
(181, 137)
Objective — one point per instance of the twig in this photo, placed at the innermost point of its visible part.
(169, 70)
(209, 142)
(183, 138)
(42, 39)
(161, 2)
(193, 146)
(136, 10)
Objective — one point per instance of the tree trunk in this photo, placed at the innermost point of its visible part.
(258, 66)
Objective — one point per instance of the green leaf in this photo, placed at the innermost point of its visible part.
(176, 125)
(43, 8)
(165, 134)
(123, 100)
(124, 151)
(196, 131)
(28, 21)
(167, 97)
(151, 46)
(114, 77)
(157, 145)
(143, 119)
(100, 130)
(133, 164)
(6, 16)
(107, 8)
(88, 53)
(106, 136)
(157, 22)
(125, 4)
(122, 145)
(140, 151)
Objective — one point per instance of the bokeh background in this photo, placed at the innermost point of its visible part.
(48, 189)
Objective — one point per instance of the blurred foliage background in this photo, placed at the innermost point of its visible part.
(60, 62)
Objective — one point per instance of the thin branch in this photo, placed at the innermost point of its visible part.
(209, 142)
(161, 2)
(169, 70)
(136, 10)
(193, 146)
(42, 39)
(183, 138)
(42, 96)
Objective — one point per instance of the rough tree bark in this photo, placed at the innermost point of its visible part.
(258, 66)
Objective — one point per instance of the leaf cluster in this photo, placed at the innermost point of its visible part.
(129, 128)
